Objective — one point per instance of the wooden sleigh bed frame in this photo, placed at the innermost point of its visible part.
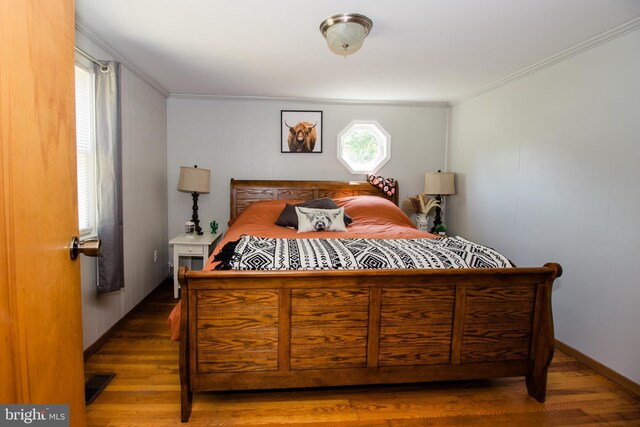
(244, 330)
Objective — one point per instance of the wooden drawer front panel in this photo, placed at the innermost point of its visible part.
(497, 323)
(237, 331)
(416, 326)
(329, 328)
(189, 250)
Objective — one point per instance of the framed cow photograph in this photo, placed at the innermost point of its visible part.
(300, 131)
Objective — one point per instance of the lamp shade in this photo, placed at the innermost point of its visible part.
(439, 183)
(194, 180)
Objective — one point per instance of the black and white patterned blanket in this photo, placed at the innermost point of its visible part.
(260, 253)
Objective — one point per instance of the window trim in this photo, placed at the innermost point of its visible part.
(383, 138)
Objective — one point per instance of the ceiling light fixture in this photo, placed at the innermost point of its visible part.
(345, 33)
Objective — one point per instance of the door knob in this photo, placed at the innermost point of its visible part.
(89, 247)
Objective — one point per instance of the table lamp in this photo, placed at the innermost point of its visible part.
(439, 184)
(195, 181)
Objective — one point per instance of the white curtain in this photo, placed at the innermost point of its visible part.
(109, 179)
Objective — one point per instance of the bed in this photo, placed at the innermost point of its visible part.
(254, 329)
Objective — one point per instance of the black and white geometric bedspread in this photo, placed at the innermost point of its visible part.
(259, 253)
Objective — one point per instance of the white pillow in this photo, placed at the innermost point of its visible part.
(310, 219)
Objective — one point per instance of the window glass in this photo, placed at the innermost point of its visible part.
(85, 143)
(364, 147)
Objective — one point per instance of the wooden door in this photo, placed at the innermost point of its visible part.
(40, 300)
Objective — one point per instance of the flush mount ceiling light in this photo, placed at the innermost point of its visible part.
(345, 33)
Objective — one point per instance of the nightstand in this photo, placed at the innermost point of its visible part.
(191, 247)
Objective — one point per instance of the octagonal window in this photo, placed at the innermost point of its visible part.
(364, 147)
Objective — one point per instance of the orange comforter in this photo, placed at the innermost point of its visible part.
(373, 217)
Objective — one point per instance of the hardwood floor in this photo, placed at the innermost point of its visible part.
(146, 392)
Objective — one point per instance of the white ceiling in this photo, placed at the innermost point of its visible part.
(418, 50)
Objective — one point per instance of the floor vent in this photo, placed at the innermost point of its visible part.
(94, 386)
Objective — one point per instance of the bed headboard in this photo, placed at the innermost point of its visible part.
(245, 192)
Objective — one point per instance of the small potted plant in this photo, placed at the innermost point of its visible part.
(441, 229)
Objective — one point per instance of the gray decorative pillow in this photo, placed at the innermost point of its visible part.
(288, 217)
(310, 219)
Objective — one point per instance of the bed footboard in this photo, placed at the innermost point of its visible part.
(265, 330)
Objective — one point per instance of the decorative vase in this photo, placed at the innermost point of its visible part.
(422, 222)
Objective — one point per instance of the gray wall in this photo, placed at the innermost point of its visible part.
(144, 150)
(241, 139)
(547, 170)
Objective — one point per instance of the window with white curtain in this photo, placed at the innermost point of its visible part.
(86, 152)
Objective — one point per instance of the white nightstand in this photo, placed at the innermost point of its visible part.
(192, 247)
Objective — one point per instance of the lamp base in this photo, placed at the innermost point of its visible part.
(437, 220)
(194, 216)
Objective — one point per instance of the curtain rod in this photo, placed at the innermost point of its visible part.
(103, 67)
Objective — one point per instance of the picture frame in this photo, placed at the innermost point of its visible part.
(300, 131)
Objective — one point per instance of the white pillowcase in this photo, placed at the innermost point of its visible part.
(310, 219)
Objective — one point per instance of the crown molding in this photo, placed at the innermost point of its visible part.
(609, 35)
(439, 104)
(81, 27)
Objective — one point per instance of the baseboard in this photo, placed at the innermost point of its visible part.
(599, 368)
(93, 348)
